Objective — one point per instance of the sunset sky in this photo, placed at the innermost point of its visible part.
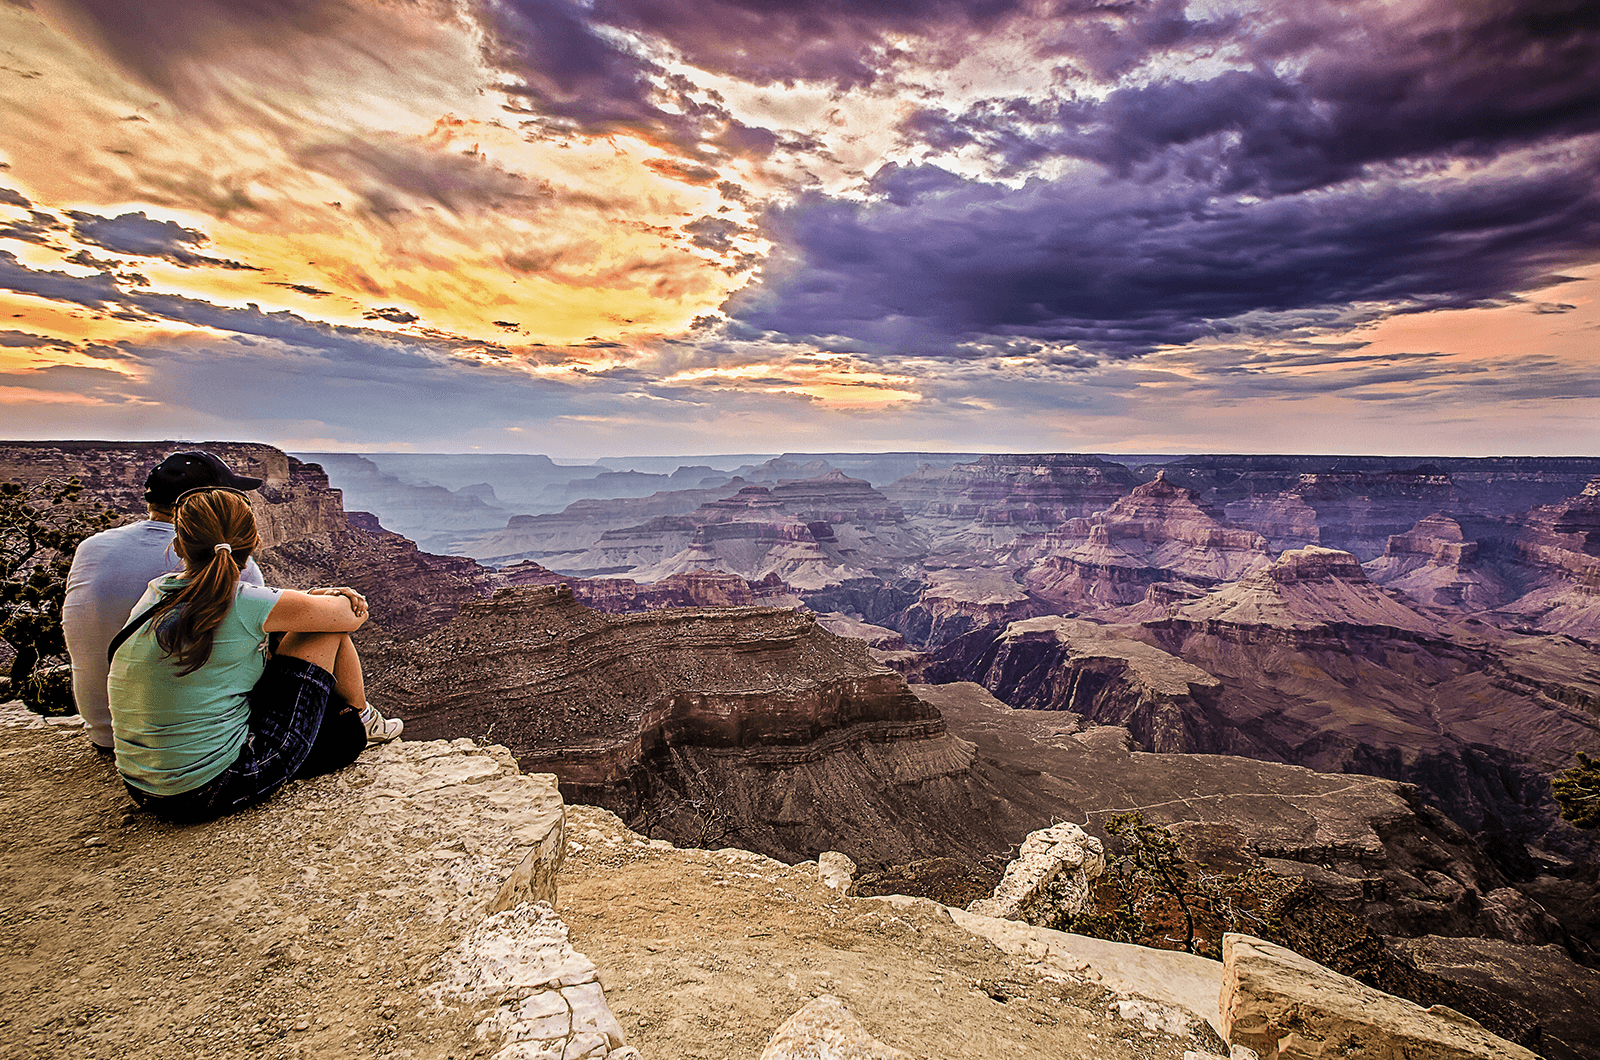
(708, 226)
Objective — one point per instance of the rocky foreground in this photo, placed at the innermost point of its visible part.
(431, 902)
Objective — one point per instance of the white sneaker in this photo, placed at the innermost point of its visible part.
(379, 728)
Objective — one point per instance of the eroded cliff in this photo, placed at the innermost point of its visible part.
(747, 725)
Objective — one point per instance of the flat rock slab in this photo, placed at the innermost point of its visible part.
(1286, 1007)
(1167, 976)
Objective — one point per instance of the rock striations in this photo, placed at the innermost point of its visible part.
(1066, 664)
(990, 501)
(1160, 532)
(745, 723)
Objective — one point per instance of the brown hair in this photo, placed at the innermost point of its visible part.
(205, 520)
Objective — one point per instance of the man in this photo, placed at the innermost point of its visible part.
(111, 570)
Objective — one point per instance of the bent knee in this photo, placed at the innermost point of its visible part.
(318, 648)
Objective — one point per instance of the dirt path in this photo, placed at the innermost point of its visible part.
(310, 926)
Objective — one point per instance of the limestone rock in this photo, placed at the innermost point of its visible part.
(835, 870)
(1050, 876)
(550, 1002)
(826, 1030)
(535, 877)
(1286, 1007)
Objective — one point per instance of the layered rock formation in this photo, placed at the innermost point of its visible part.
(1373, 845)
(1355, 511)
(1106, 679)
(307, 538)
(1559, 545)
(988, 502)
(561, 537)
(1364, 846)
(812, 533)
(744, 723)
(957, 601)
(1315, 665)
(700, 588)
(1435, 564)
(1356, 503)
(1158, 533)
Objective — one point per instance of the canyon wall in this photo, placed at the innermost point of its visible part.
(307, 537)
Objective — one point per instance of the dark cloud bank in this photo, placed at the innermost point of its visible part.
(1380, 171)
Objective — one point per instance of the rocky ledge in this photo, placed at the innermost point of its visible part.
(354, 916)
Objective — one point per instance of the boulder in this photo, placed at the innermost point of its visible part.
(1284, 1006)
(836, 870)
(826, 1028)
(1050, 876)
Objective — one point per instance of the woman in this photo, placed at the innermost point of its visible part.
(206, 719)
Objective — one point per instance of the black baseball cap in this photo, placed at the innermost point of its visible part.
(194, 469)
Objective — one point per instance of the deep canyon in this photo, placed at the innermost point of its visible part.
(1356, 672)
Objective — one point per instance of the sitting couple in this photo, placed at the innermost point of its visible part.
(204, 717)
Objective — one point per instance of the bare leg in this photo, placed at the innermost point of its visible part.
(335, 653)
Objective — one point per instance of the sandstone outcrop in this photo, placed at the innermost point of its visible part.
(1086, 668)
(707, 724)
(956, 601)
(1049, 877)
(1435, 564)
(1160, 532)
(1286, 1007)
(549, 999)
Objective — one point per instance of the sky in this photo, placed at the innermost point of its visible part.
(704, 226)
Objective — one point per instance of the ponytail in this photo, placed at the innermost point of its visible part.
(216, 533)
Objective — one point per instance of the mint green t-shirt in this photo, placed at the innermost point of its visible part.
(174, 734)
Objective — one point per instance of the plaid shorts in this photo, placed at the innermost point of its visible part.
(299, 727)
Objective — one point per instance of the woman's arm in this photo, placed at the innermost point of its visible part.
(297, 612)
